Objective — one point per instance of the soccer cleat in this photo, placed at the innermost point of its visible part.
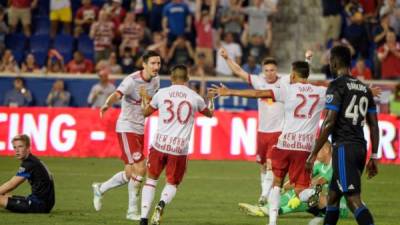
(158, 211)
(314, 199)
(144, 221)
(316, 221)
(97, 196)
(251, 210)
(262, 200)
(133, 215)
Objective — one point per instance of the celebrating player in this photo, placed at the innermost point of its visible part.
(177, 106)
(130, 130)
(349, 104)
(32, 169)
(270, 117)
(303, 103)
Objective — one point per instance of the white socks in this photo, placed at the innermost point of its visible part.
(267, 183)
(168, 193)
(117, 180)
(149, 188)
(133, 192)
(274, 201)
(306, 194)
(262, 179)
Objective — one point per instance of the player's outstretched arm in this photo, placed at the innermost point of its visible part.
(236, 69)
(326, 129)
(209, 111)
(249, 93)
(113, 98)
(11, 184)
(372, 165)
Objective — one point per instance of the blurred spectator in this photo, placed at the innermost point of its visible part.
(58, 97)
(355, 32)
(79, 64)
(85, 17)
(156, 15)
(19, 95)
(389, 54)
(55, 62)
(231, 19)
(203, 23)
(20, 10)
(100, 91)
(361, 71)
(110, 64)
(234, 52)
(30, 66)
(115, 11)
(176, 20)
(201, 68)
(145, 37)
(331, 19)
(257, 46)
(60, 11)
(102, 32)
(8, 63)
(130, 32)
(3, 30)
(381, 29)
(252, 66)
(181, 52)
(393, 10)
(371, 8)
(159, 44)
(395, 101)
(258, 17)
(128, 61)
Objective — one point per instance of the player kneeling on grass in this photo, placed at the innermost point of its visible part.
(313, 200)
(177, 106)
(32, 169)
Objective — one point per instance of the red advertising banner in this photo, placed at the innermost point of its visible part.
(79, 132)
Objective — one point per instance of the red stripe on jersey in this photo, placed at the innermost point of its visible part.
(249, 79)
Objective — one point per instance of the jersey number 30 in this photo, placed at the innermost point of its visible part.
(178, 111)
(353, 110)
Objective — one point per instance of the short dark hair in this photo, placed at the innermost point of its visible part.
(301, 68)
(341, 55)
(22, 137)
(147, 55)
(180, 72)
(270, 60)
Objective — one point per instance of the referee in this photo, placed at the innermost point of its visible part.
(32, 169)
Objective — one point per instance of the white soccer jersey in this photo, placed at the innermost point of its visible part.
(177, 106)
(270, 113)
(303, 104)
(131, 118)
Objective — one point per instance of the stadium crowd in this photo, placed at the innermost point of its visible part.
(88, 36)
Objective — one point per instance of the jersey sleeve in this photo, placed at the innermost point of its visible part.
(371, 103)
(125, 87)
(333, 99)
(154, 101)
(280, 91)
(200, 104)
(254, 81)
(25, 170)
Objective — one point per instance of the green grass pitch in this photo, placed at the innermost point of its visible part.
(208, 195)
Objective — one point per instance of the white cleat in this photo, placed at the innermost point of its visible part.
(262, 200)
(97, 196)
(133, 215)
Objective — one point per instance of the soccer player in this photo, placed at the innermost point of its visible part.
(349, 104)
(130, 131)
(39, 177)
(177, 106)
(270, 117)
(303, 103)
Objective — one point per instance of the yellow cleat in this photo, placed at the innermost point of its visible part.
(251, 210)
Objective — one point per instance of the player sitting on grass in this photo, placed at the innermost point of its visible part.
(315, 202)
(177, 106)
(32, 169)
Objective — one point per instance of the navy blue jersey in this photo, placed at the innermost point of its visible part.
(352, 99)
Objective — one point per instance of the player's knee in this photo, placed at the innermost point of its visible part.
(269, 164)
(354, 202)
